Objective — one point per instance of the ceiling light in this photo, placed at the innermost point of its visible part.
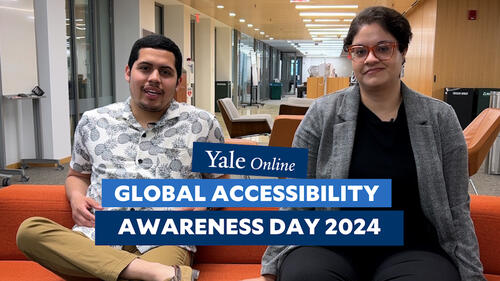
(325, 25)
(326, 20)
(256, 29)
(232, 14)
(267, 36)
(242, 20)
(302, 7)
(307, 20)
(326, 14)
(326, 32)
(271, 38)
(262, 33)
(220, 7)
(250, 25)
(328, 29)
(347, 20)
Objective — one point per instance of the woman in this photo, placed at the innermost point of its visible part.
(382, 129)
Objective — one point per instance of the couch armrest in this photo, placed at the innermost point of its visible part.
(485, 212)
(19, 202)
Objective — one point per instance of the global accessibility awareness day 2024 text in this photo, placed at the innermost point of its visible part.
(248, 227)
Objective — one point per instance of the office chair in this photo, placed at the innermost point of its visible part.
(246, 125)
(480, 135)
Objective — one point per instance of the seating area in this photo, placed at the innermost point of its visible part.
(216, 263)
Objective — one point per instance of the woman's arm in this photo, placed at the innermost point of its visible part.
(456, 174)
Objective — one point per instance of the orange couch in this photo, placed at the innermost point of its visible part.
(221, 263)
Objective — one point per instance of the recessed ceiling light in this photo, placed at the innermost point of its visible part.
(326, 14)
(271, 38)
(232, 14)
(348, 20)
(267, 36)
(302, 7)
(326, 20)
(250, 25)
(307, 20)
(262, 33)
(328, 29)
(256, 29)
(242, 20)
(326, 25)
(220, 7)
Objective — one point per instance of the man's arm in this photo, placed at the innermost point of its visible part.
(76, 191)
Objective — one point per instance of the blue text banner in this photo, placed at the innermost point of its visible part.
(376, 228)
(347, 193)
(249, 160)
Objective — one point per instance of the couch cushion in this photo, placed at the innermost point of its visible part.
(19, 202)
(229, 254)
(26, 270)
(227, 272)
(491, 277)
(485, 213)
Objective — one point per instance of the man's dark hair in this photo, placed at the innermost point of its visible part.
(390, 20)
(157, 41)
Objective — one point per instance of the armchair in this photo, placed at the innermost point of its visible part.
(247, 125)
(480, 135)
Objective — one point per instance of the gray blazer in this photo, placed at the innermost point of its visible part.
(440, 152)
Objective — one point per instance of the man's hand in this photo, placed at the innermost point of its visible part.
(81, 207)
(266, 277)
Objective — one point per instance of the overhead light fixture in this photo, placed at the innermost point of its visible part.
(326, 32)
(326, 25)
(256, 29)
(326, 20)
(328, 29)
(250, 25)
(326, 14)
(271, 38)
(304, 7)
(267, 36)
(220, 7)
(242, 20)
(262, 33)
(347, 20)
(232, 14)
(307, 20)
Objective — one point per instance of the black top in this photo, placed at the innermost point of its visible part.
(382, 150)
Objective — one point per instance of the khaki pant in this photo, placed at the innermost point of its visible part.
(73, 256)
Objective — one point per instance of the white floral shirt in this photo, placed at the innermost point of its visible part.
(109, 143)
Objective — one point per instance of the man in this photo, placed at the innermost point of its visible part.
(148, 136)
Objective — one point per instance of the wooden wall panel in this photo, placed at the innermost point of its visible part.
(467, 53)
(420, 55)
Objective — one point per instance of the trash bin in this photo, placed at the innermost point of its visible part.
(483, 99)
(462, 101)
(493, 161)
(275, 88)
(222, 90)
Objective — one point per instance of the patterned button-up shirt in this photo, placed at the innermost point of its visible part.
(110, 143)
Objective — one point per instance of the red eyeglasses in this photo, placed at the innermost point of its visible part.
(383, 51)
